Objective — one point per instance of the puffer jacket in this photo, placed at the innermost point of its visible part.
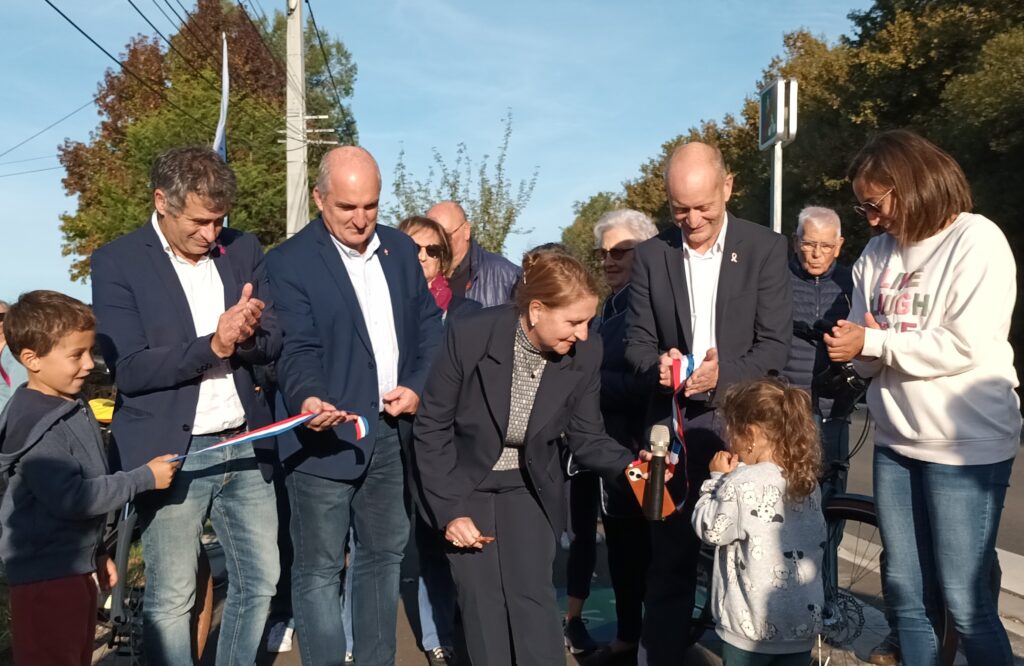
(818, 303)
(492, 277)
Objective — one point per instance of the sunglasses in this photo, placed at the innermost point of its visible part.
(616, 253)
(866, 207)
(433, 251)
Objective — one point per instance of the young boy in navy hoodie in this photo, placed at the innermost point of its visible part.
(60, 487)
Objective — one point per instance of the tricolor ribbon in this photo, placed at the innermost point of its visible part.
(678, 450)
(273, 430)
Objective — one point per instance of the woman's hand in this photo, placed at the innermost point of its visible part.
(846, 341)
(462, 533)
(724, 462)
(645, 456)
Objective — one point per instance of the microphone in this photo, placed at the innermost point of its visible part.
(654, 492)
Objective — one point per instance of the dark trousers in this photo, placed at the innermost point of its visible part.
(509, 609)
(628, 539)
(54, 621)
(734, 656)
(675, 548)
(584, 502)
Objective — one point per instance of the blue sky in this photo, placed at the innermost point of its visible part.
(595, 88)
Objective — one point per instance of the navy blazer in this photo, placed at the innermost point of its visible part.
(753, 308)
(463, 418)
(148, 339)
(327, 351)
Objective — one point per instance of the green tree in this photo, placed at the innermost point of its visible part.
(492, 200)
(179, 104)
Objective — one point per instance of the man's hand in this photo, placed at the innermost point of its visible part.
(462, 533)
(401, 400)
(847, 339)
(665, 366)
(646, 456)
(237, 324)
(705, 377)
(724, 462)
(106, 572)
(327, 416)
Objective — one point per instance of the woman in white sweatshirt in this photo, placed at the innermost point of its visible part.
(932, 300)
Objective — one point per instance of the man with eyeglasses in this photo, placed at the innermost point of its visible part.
(476, 274)
(821, 297)
(12, 373)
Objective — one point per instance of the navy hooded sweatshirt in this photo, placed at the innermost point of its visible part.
(59, 487)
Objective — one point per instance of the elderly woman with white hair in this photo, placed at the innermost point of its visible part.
(623, 403)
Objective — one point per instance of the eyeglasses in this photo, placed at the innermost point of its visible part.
(616, 253)
(810, 246)
(866, 207)
(433, 251)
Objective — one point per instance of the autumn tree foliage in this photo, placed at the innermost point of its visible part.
(172, 98)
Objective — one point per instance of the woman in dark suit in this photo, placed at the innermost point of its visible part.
(514, 385)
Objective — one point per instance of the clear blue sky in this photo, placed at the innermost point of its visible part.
(595, 87)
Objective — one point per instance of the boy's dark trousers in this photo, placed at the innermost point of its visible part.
(54, 621)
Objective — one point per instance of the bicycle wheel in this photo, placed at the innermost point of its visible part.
(854, 618)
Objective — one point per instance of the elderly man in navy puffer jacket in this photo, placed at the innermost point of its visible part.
(821, 297)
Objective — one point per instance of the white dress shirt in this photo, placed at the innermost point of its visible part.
(374, 296)
(219, 407)
(702, 271)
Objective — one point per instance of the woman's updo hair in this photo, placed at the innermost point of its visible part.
(554, 277)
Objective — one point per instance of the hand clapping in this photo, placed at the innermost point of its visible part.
(237, 324)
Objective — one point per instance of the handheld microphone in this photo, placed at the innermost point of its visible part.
(654, 492)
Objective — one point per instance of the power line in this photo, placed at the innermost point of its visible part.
(21, 173)
(128, 71)
(30, 159)
(51, 125)
(188, 26)
(327, 60)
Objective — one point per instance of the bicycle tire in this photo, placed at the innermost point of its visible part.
(854, 615)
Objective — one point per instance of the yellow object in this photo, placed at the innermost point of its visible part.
(102, 409)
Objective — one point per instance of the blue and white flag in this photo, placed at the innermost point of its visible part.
(220, 145)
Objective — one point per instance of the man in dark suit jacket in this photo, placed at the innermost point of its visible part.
(360, 332)
(717, 288)
(183, 315)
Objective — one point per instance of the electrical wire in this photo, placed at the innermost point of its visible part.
(21, 173)
(327, 60)
(50, 126)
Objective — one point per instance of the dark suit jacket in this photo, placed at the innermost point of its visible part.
(145, 330)
(461, 423)
(753, 309)
(327, 351)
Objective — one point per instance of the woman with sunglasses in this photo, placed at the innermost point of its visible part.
(932, 301)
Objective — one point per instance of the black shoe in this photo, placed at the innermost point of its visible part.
(577, 638)
(606, 657)
(440, 656)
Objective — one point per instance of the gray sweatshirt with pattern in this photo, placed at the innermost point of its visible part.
(767, 591)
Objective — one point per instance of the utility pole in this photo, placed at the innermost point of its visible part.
(297, 190)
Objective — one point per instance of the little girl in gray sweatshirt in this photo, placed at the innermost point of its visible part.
(762, 509)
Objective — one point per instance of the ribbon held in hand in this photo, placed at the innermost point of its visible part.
(273, 430)
(678, 450)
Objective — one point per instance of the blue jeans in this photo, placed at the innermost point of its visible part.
(939, 525)
(322, 510)
(436, 593)
(227, 486)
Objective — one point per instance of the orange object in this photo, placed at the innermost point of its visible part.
(635, 476)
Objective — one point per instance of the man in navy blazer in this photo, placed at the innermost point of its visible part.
(716, 288)
(183, 315)
(360, 330)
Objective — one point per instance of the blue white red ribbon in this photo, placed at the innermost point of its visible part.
(678, 451)
(362, 427)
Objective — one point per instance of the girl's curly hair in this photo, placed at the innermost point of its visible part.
(783, 413)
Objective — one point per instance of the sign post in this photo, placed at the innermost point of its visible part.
(777, 128)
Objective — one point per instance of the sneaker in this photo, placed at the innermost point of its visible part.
(886, 653)
(349, 659)
(279, 638)
(440, 656)
(577, 638)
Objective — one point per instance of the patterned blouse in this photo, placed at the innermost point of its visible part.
(528, 365)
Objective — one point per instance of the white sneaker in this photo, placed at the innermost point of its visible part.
(279, 638)
(349, 659)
